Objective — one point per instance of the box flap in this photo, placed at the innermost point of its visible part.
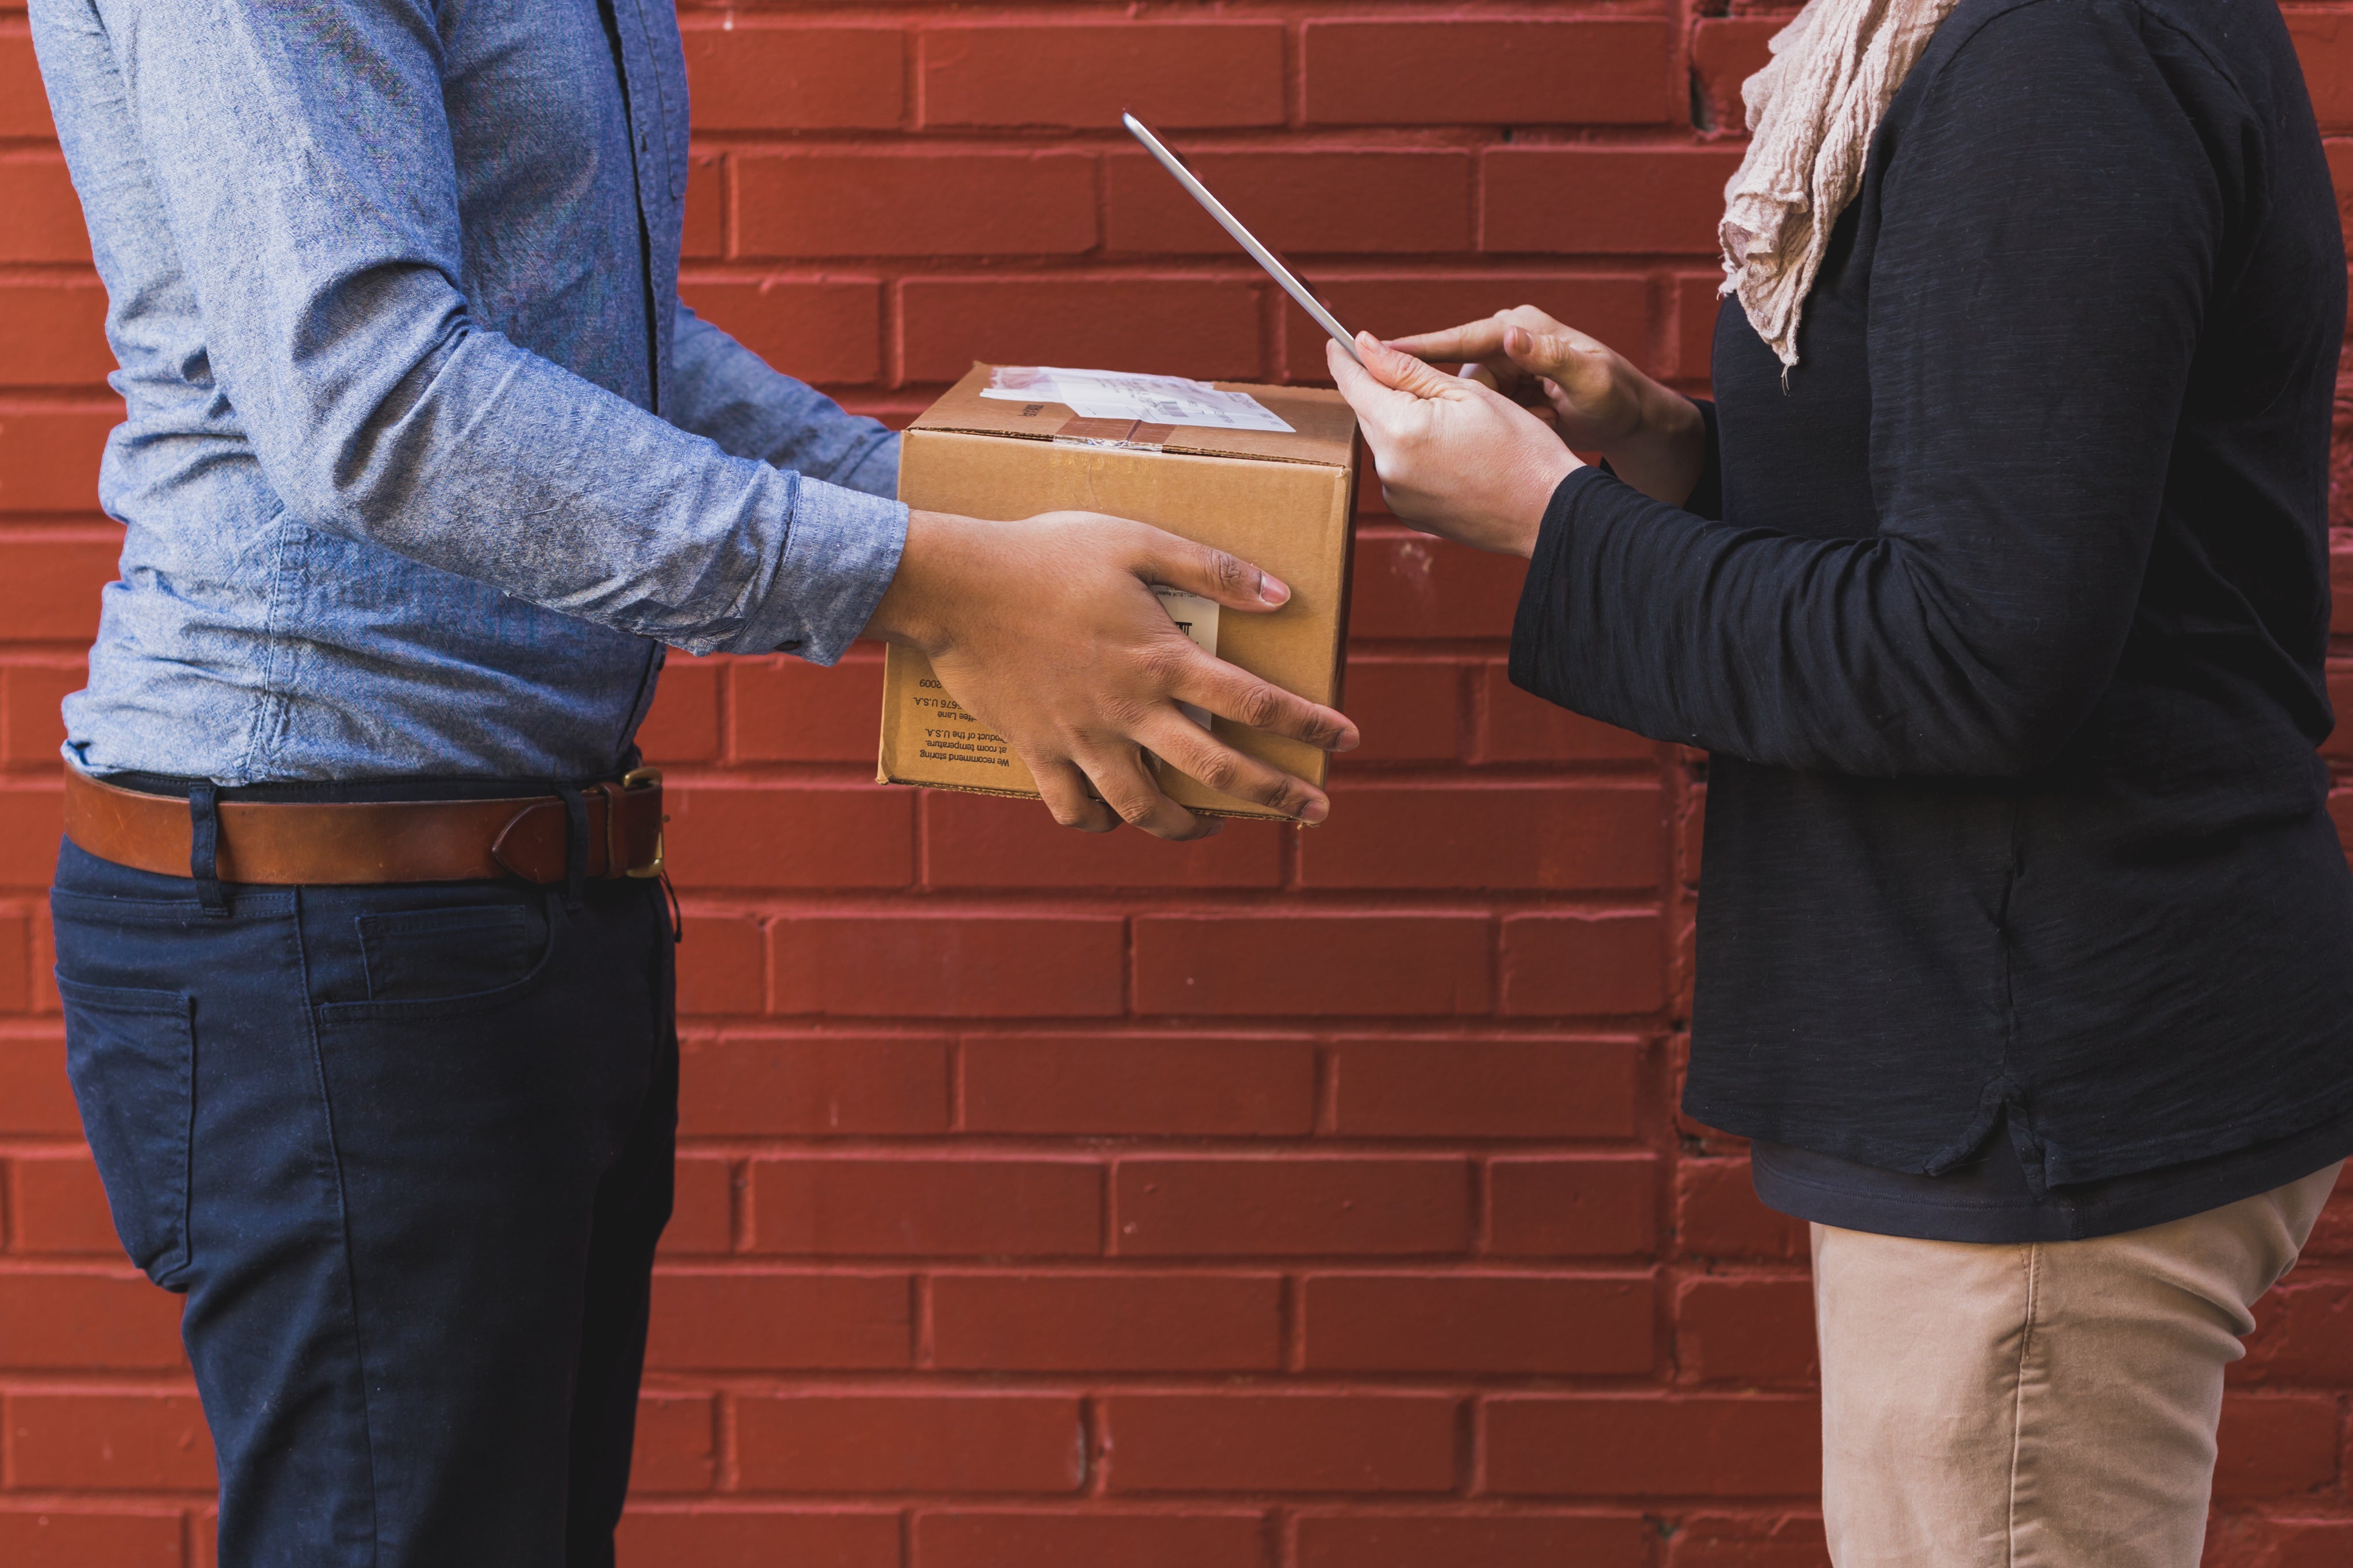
(1323, 427)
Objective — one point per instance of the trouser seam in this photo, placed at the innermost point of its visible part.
(2033, 1260)
(343, 1229)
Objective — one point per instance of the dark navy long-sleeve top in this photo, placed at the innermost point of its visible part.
(2004, 620)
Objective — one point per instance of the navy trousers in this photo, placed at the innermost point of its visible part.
(407, 1151)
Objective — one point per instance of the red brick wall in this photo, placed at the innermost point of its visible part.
(1296, 1200)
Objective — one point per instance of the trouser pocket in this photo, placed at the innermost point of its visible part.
(130, 1055)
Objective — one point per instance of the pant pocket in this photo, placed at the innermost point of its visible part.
(130, 1055)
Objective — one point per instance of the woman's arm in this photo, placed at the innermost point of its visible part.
(2046, 245)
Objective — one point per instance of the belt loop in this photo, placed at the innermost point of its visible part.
(203, 848)
(576, 844)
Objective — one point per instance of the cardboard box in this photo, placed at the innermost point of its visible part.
(1281, 502)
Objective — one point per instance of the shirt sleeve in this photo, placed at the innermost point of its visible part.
(2046, 242)
(306, 162)
(843, 550)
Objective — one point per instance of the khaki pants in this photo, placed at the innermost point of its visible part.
(2037, 1406)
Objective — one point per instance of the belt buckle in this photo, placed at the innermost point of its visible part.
(647, 778)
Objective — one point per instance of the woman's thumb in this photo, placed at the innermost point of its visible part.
(1402, 372)
(1539, 353)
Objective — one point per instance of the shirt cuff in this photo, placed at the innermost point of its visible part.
(840, 552)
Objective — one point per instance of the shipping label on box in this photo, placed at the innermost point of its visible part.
(1268, 473)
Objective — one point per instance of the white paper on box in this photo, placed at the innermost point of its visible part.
(1152, 399)
(1198, 618)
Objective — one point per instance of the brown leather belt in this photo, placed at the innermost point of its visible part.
(320, 843)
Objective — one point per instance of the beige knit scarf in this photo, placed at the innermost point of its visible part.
(1834, 69)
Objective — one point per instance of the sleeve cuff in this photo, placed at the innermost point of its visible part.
(840, 552)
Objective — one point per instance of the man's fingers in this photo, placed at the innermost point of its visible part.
(1195, 753)
(1236, 694)
(1212, 573)
(1064, 788)
(1120, 778)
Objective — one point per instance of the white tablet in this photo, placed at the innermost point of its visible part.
(1275, 266)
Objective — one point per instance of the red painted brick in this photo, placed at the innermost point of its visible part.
(1693, 835)
(1718, 1214)
(919, 203)
(995, 965)
(757, 1538)
(44, 214)
(53, 1537)
(1166, 1086)
(2296, 1543)
(1107, 1322)
(35, 1099)
(702, 1220)
(1745, 1330)
(1444, 1086)
(32, 822)
(704, 233)
(981, 842)
(1725, 52)
(2338, 748)
(1355, 964)
(683, 724)
(57, 1322)
(48, 462)
(1562, 964)
(1085, 75)
(951, 1207)
(24, 102)
(910, 1442)
(1258, 1205)
(94, 1441)
(722, 964)
(826, 331)
(1614, 308)
(1096, 1539)
(1466, 72)
(795, 76)
(52, 334)
(2275, 1445)
(2323, 43)
(1367, 1539)
(15, 963)
(786, 710)
(739, 1319)
(1408, 710)
(677, 1444)
(1696, 308)
(1603, 201)
(1360, 1443)
(1598, 1205)
(2303, 1333)
(1647, 1444)
(1411, 586)
(1204, 327)
(1748, 1540)
(1588, 1325)
(1554, 837)
(1346, 203)
(31, 692)
(790, 836)
(802, 1085)
(1515, 727)
(60, 1208)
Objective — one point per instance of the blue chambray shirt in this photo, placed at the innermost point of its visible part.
(424, 462)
